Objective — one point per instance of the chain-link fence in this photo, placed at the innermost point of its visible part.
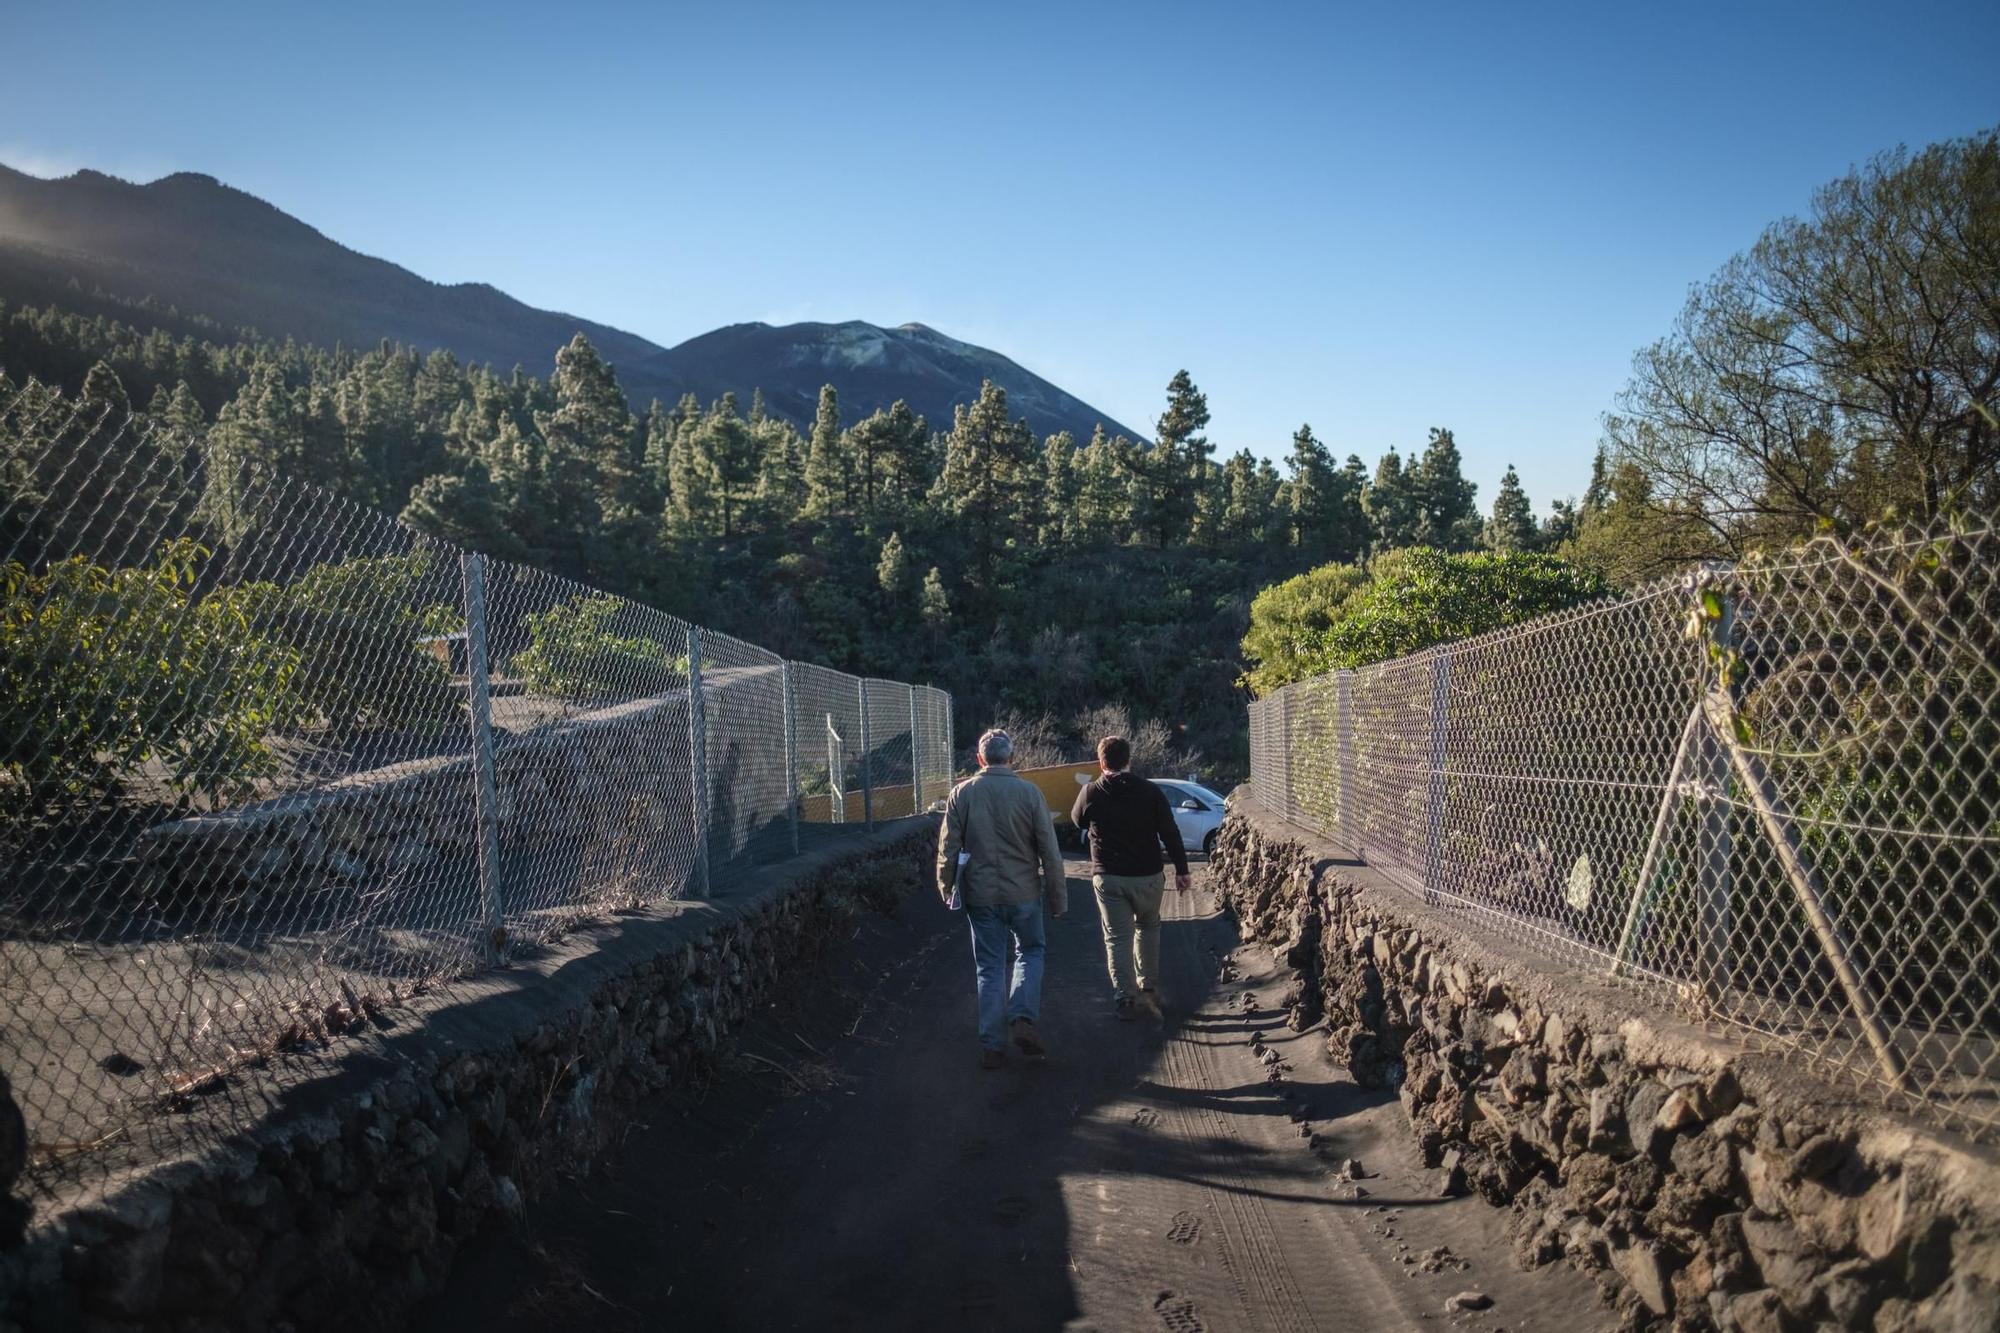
(1769, 790)
(274, 763)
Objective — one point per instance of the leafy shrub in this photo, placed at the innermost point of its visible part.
(574, 652)
(105, 670)
(354, 626)
(1344, 616)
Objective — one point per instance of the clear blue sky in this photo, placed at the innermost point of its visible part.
(1373, 217)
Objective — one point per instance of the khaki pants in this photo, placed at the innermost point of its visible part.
(1125, 901)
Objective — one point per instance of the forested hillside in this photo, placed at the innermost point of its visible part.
(1031, 575)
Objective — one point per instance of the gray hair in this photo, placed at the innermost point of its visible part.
(996, 747)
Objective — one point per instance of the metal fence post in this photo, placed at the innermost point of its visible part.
(1292, 811)
(867, 774)
(916, 758)
(1343, 725)
(1714, 844)
(950, 741)
(698, 759)
(486, 795)
(791, 753)
(1440, 719)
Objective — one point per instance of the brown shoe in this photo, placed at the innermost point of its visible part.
(1147, 1004)
(1028, 1039)
(992, 1059)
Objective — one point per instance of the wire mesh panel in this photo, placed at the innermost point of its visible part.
(1308, 733)
(826, 722)
(744, 691)
(934, 748)
(1769, 789)
(891, 757)
(592, 750)
(272, 762)
(1392, 711)
(1558, 741)
(235, 760)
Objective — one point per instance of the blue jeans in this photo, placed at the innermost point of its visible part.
(1000, 1004)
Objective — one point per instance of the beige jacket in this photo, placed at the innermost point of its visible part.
(1001, 820)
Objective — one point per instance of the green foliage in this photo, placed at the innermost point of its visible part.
(576, 652)
(111, 673)
(1289, 622)
(1339, 616)
(1840, 372)
(1512, 525)
(104, 672)
(353, 627)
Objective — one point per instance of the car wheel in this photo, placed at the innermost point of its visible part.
(1208, 844)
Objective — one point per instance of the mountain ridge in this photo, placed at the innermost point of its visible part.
(191, 242)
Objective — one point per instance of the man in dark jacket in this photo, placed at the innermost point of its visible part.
(1127, 819)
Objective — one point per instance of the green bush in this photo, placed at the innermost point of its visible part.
(574, 653)
(354, 626)
(1343, 616)
(103, 671)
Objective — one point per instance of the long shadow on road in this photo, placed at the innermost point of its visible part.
(853, 1167)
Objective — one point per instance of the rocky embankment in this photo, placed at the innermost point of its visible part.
(1704, 1186)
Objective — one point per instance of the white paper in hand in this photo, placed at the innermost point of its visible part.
(956, 902)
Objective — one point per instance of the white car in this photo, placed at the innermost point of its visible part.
(1197, 810)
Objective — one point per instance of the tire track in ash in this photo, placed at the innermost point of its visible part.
(1337, 1274)
(1269, 1296)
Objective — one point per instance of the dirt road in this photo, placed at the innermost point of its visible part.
(854, 1168)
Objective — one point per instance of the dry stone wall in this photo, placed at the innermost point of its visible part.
(1705, 1186)
(339, 1210)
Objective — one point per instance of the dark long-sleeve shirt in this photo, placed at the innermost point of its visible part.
(1127, 819)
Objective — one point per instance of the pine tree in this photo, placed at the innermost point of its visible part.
(730, 447)
(659, 450)
(1447, 513)
(1106, 484)
(1345, 536)
(1174, 470)
(892, 570)
(180, 423)
(1059, 489)
(691, 503)
(1560, 527)
(888, 463)
(1311, 493)
(1512, 527)
(986, 465)
(782, 484)
(593, 467)
(932, 604)
(1391, 506)
(1598, 494)
(1250, 497)
(257, 435)
(829, 481)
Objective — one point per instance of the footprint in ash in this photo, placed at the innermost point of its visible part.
(1186, 1229)
(1178, 1314)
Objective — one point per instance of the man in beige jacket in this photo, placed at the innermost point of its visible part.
(1011, 866)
